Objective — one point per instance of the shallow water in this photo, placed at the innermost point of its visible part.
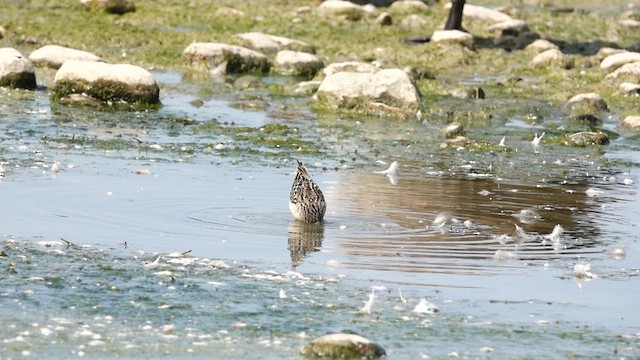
(237, 276)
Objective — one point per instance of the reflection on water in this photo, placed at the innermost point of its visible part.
(303, 239)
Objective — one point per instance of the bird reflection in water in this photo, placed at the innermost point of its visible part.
(303, 239)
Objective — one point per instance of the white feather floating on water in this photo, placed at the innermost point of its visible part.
(504, 255)
(556, 234)
(593, 192)
(366, 309)
(282, 294)
(502, 142)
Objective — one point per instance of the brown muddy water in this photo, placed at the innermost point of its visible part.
(184, 246)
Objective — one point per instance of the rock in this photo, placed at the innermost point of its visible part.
(342, 9)
(541, 45)
(3, 32)
(119, 7)
(271, 44)
(614, 61)
(343, 346)
(588, 103)
(409, 6)
(511, 25)
(297, 63)
(629, 23)
(391, 87)
(419, 73)
(482, 14)
(585, 120)
(349, 66)
(632, 122)
(452, 37)
(453, 130)
(226, 59)
(16, 71)
(54, 56)
(109, 83)
(384, 19)
(457, 142)
(629, 72)
(586, 138)
(229, 12)
(629, 89)
(606, 51)
(551, 57)
(306, 87)
(468, 93)
(414, 22)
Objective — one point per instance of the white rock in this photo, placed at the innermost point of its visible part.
(452, 37)
(270, 44)
(541, 45)
(511, 24)
(234, 59)
(409, 6)
(629, 72)
(615, 61)
(629, 89)
(16, 71)
(483, 14)
(632, 121)
(548, 58)
(414, 22)
(343, 9)
(629, 23)
(350, 66)
(390, 86)
(297, 63)
(54, 56)
(85, 75)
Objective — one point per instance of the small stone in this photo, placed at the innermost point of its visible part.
(541, 45)
(452, 37)
(453, 130)
(511, 25)
(342, 346)
(629, 23)
(457, 142)
(551, 57)
(468, 93)
(632, 122)
(483, 14)
(306, 87)
(629, 89)
(586, 138)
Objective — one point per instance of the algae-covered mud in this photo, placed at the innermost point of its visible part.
(167, 233)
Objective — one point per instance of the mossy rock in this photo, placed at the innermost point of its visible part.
(342, 346)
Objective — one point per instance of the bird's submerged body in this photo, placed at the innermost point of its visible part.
(306, 201)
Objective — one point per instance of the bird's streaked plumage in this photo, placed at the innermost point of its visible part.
(306, 201)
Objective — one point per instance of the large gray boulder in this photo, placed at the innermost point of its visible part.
(385, 90)
(271, 44)
(343, 346)
(297, 63)
(109, 83)
(16, 71)
(587, 103)
(222, 58)
(54, 56)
